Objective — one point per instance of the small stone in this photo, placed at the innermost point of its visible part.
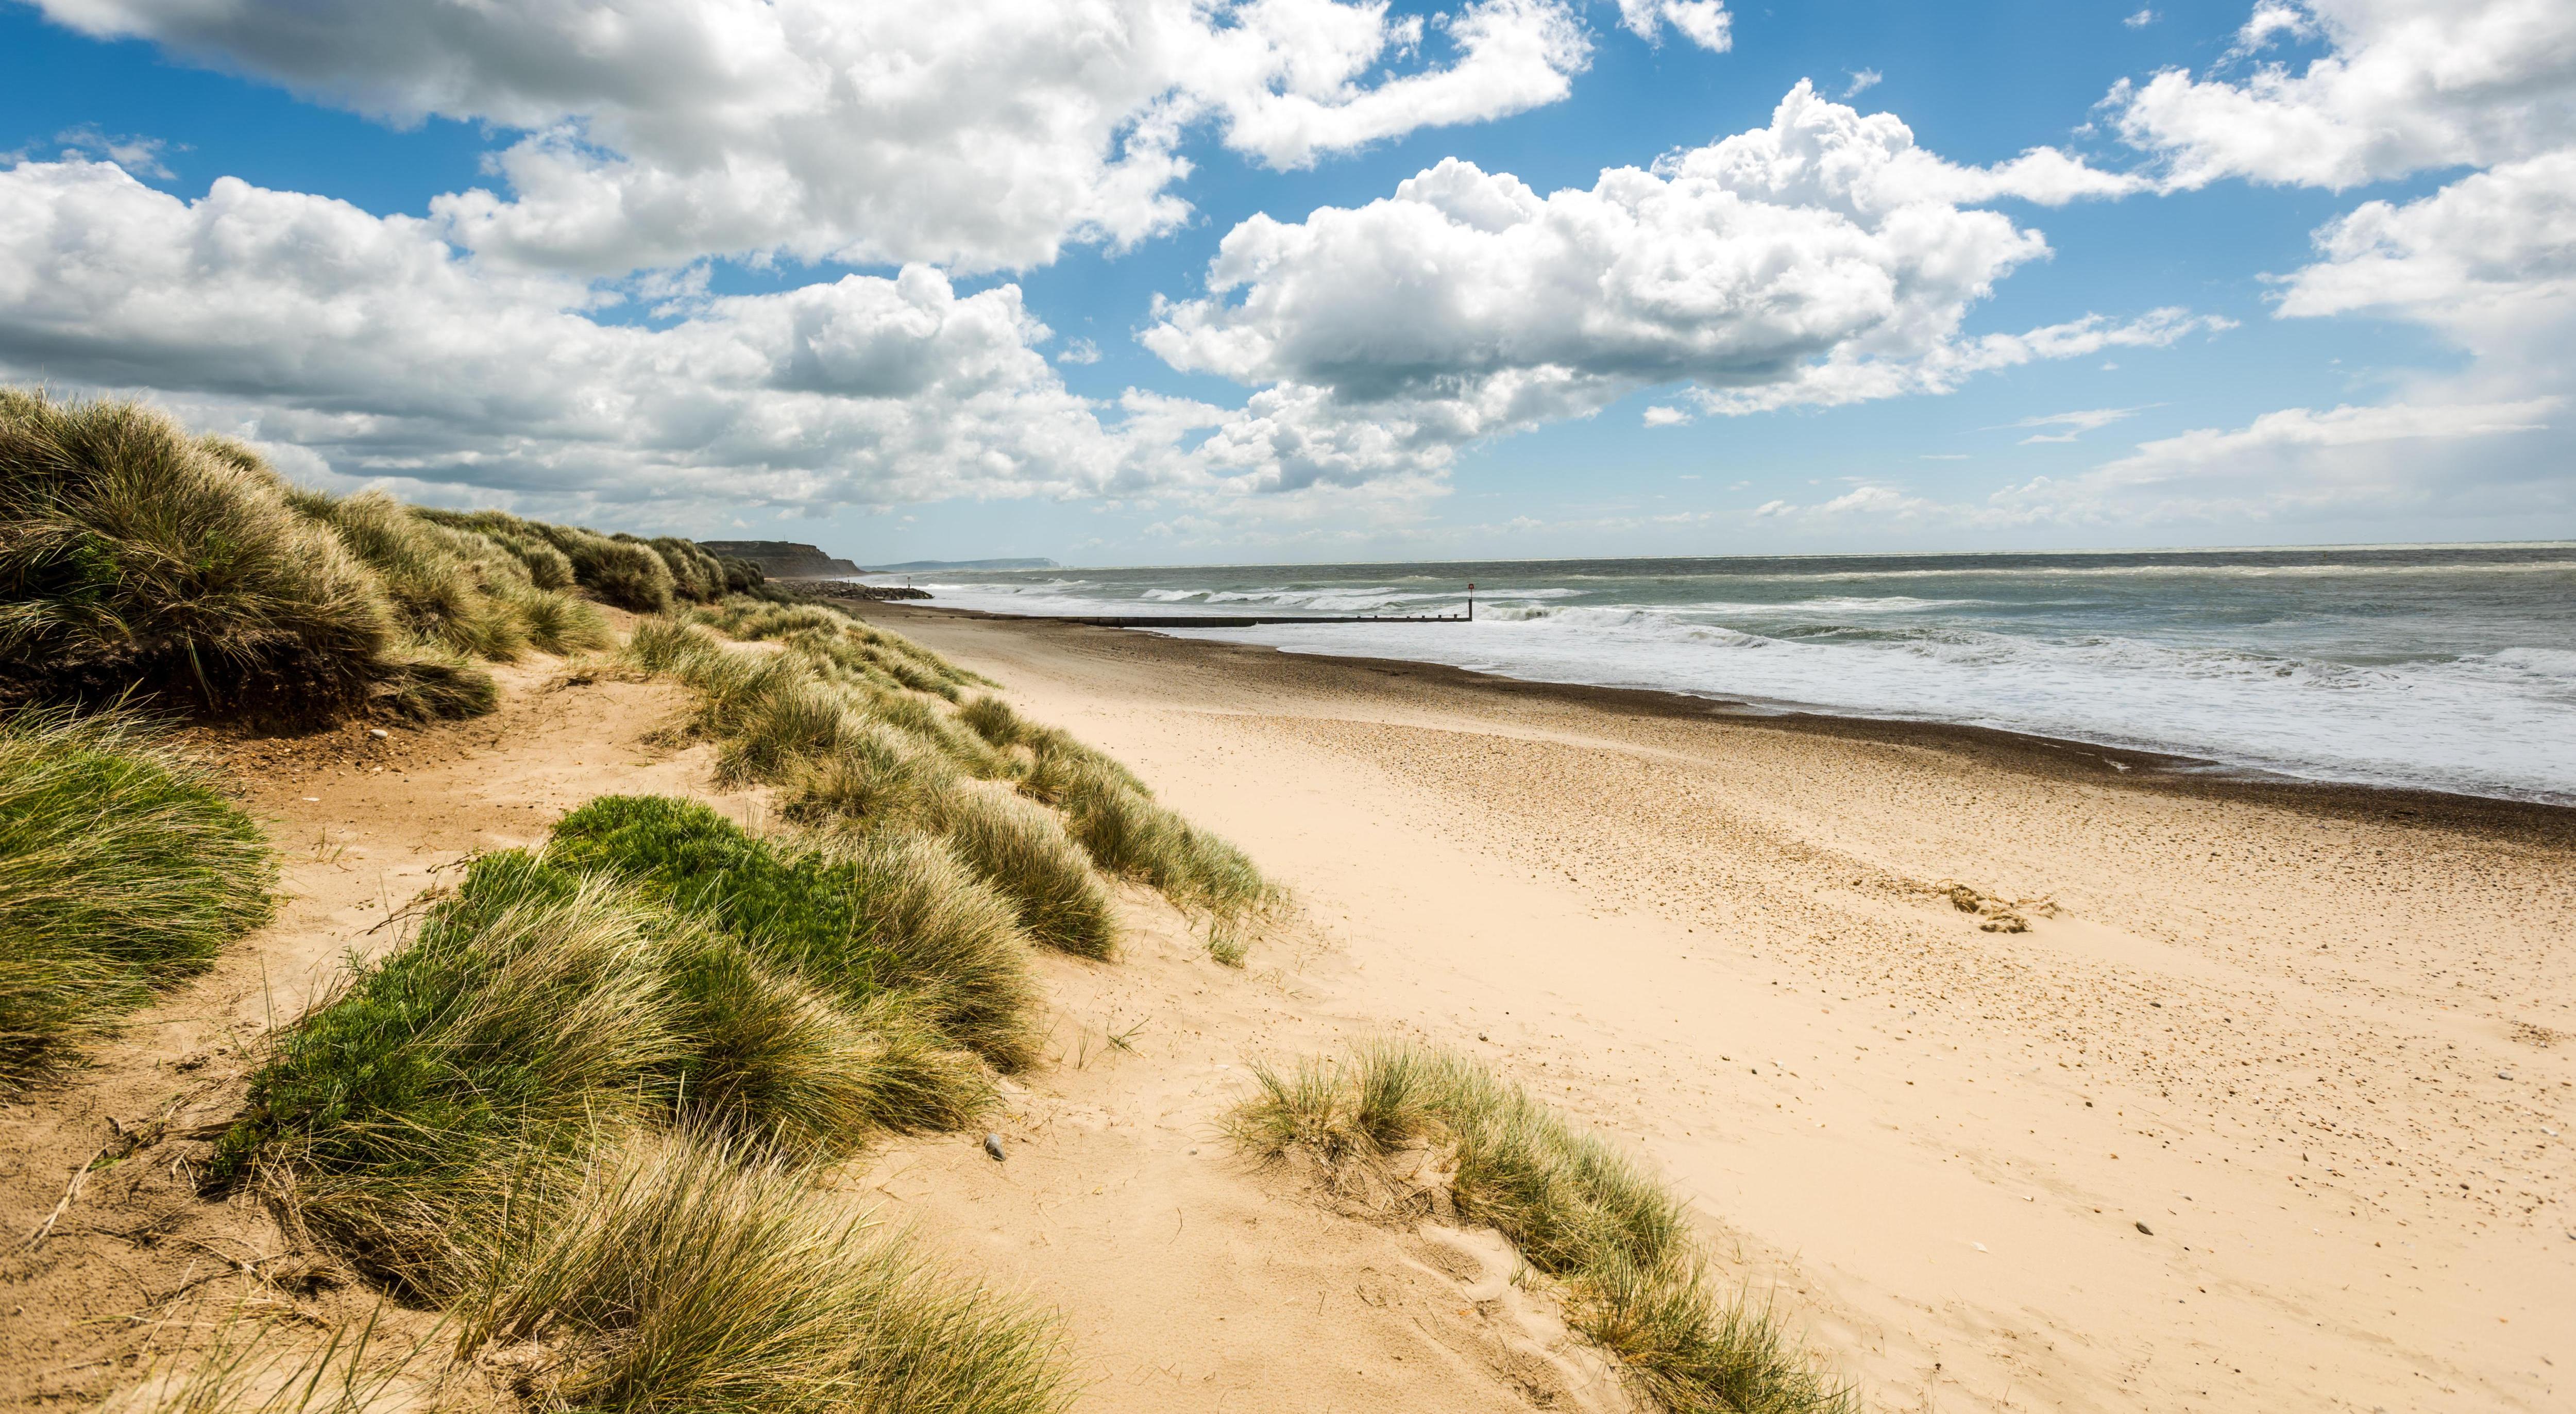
(378, 733)
(2142, 1227)
(993, 1146)
(2504, 1075)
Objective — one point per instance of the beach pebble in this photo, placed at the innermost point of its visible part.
(2504, 1075)
(993, 1146)
(2142, 1227)
(378, 733)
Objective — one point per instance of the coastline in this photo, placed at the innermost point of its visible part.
(2250, 1108)
(2058, 758)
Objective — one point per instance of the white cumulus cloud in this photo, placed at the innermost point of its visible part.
(1702, 22)
(2488, 261)
(2404, 86)
(373, 345)
(975, 134)
(1824, 258)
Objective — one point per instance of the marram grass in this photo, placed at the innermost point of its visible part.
(1635, 1282)
(121, 870)
(138, 558)
(580, 1110)
(676, 1273)
(857, 726)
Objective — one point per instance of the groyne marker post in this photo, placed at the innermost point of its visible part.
(1471, 601)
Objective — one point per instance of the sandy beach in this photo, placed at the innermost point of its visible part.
(2263, 1111)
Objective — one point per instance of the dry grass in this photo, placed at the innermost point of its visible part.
(684, 1275)
(578, 1111)
(134, 555)
(1635, 1281)
(121, 870)
(1117, 821)
(1025, 854)
(257, 1364)
(876, 759)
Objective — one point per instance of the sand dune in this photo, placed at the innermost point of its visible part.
(2255, 1114)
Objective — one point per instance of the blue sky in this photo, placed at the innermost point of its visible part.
(2297, 333)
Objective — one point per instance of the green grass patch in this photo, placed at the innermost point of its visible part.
(121, 870)
(1635, 1281)
(883, 913)
(1116, 820)
(582, 1111)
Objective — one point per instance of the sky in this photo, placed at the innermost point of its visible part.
(1190, 281)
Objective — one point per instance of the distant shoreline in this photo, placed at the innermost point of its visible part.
(2028, 753)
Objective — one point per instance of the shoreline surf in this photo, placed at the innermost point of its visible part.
(2032, 752)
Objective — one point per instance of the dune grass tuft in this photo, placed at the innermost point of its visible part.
(121, 869)
(626, 573)
(883, 913)
(1579, 1210)
(679, 1274)
(1115, 818)
(1022, 851)
(856, 725)
(133, 555)
(580, 1110)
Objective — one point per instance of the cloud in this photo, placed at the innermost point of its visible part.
(1862, 80)
(371, 344)
(1079, 351)
(2076, 424)
(1660, 416)
(1886, 502)
(2405, 86)
(2140, 20)
(1821, 259)
(2295, 466)
(87, 141)
(2489, 257)
(2300, 464)
(1702, 22)
(974, 134)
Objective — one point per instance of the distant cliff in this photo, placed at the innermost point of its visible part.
(784, 559)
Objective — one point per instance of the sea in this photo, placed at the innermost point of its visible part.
(2449, 668)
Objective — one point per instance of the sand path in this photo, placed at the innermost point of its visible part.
(2262, 1118)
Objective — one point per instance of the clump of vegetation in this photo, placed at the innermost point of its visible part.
(886, 913)
(455, 586)
(681, 1274)
(1580, 1211)
(1117, 820)
(578, 1109)
(1028, 857)
(695, 575)
(857, 724)
(133, 555)
(121, 870)
(544, 1005)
